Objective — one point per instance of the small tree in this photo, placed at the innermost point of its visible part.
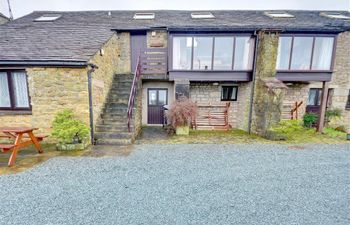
(65, 127)
(181, 112)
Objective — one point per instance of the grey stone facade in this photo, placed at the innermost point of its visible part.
(206, 92)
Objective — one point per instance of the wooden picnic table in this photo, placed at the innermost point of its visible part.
(23, 137)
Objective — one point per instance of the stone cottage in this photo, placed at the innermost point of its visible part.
(262, 62)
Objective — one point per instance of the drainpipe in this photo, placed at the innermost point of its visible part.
(253, 83)
(91, 69)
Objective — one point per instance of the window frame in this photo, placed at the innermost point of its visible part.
(228, 86)
(12, 94)
(213, 36)
(314, 36)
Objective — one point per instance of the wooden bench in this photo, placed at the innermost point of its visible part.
(6, 147)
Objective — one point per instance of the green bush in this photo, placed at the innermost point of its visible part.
(65, 127)
(334, 133)
(288, 126)
(333, 113)
(309, 119)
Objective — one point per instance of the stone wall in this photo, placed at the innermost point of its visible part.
(124, 53)
(267, 108)
(102, 77)
(3, 20)
(157, 39)
(295, 92)
(341, 76)
(52, 90)
(206, 92)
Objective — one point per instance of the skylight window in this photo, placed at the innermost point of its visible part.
(144, 16)
(279, 15)
(202, 15)
(335, 16)
(48, 17)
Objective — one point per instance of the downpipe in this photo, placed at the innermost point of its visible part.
(253, 83)
(91, 69)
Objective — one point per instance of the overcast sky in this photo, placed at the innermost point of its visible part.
(23, 7)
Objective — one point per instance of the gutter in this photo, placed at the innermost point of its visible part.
(253, 83)
(91, 69)
(56, 63)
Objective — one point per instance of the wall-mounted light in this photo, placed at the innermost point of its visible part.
(153, 33)
(102, 52)
(216, 84)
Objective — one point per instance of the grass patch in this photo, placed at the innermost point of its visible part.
(334, 133)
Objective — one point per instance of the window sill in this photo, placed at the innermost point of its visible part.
(15, 112)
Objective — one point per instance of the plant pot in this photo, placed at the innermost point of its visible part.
(72, 147)
(183, 130)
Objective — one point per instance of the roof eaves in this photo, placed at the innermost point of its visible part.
(58, 63)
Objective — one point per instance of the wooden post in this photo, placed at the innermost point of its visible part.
(323, 106)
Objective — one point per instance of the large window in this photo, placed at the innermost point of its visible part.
(305, 53)
(13, 90)
(213, 53)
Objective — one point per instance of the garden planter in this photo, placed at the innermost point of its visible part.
(183, 130)
(72, 147)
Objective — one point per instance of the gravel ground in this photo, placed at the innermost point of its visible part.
(185, 184)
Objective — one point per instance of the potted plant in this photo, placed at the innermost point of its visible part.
(71, 133)
(180, 114)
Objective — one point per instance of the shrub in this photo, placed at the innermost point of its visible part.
(181, 112)
(309, 119)
(65, 127)
(334, 113)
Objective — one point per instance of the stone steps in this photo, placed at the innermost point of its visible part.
(111, 128)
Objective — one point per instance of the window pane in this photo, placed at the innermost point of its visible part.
(202, 53)
(284, 46)
(301, 57)
(4, 91)
(162, 100)
(312, 97)
(20, 89)
(152, 97)
(322, 53)
(229, 93)
(243, 53)
(223, 52)
(182, 53)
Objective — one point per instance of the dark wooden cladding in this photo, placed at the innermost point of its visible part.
(154, 61)
(211, 76)
(305, 77)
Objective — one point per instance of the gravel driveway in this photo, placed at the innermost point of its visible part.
(185, 184)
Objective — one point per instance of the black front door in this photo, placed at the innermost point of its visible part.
(314, 100)
(157, 98)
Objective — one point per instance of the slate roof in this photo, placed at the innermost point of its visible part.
(76, 36)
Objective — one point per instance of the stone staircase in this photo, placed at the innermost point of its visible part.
(111, 128)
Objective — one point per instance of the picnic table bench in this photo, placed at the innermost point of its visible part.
(23, 137)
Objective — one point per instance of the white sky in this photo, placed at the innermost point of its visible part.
(23, 7)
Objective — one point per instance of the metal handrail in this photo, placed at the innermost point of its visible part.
(133, 91)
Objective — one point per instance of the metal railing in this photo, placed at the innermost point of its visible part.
(133, 92)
